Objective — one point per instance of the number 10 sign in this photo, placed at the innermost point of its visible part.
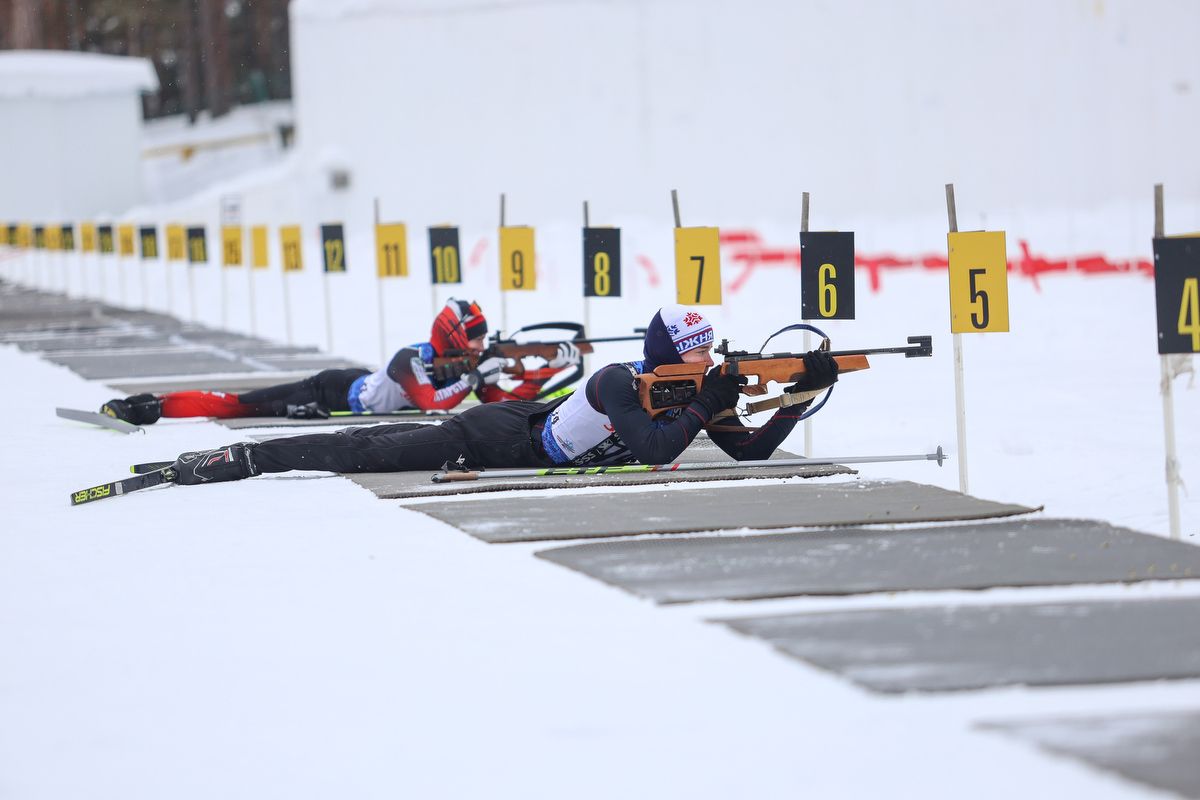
(978, 282)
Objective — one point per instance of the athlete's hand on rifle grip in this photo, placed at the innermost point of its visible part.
(820, 372)
(719, 392)
(567, 356)
(488, 371)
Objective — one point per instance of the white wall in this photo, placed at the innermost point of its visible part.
(1048, 110)
(70, 133)
(69, 159)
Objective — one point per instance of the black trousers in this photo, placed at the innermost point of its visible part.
(490, 435)
(328, 387)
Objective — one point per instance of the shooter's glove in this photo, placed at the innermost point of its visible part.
(820, 372)
(567, 356)
(488, 371)
(212, 466)
(312, 410)
(719, 392)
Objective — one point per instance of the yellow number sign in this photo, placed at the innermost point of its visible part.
(53, 237)
(231, 245)
(697, 267)
(87, 237)
(176, 243)
(391, 250)
(258, 246)
(517, 267)
(289, 241)
(978, 282)
(24, 235)
(125, 240)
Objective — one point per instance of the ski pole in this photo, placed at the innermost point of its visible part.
(448, 475)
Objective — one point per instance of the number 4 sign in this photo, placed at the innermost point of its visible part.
(978, 282)
(1177, 293)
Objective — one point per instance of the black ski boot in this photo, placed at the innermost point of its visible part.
(312, 410)
(230, 463)
(140, 409)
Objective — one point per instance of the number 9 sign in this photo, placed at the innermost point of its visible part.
(978, 282)
(517, 267)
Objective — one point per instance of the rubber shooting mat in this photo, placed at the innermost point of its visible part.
(532, 519)
(854, 561)
(99, 341)
(1158, 750)
(975, 647)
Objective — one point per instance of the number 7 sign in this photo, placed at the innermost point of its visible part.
(697, 267)
(978, 282)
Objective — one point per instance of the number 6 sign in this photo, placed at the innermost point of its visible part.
(978, 282)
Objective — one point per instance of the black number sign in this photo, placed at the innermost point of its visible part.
(601, 262)
(1177, 294)
(148, 236)
(444, 261)
(333, 243)
(826, 275)
(197, 246)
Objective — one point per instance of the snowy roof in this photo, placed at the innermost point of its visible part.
(46, 73)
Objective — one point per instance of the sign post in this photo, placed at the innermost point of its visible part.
(1177, 302)
(697, 263)
(197, 253)
(826, 283)
(293, 261)
(391, 261)
(444, 260)
(978, 303)
(333, 246)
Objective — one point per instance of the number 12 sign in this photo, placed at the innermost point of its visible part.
(978, 282)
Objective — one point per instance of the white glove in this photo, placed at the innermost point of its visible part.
(489, 371)
(567, 356)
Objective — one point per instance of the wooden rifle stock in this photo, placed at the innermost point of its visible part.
(675, 385)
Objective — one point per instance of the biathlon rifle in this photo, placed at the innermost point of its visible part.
(456, 362)
(674, 385)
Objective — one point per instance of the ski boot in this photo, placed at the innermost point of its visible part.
(140, 409)
(230, 463)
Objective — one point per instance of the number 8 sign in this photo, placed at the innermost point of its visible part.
(978, 282)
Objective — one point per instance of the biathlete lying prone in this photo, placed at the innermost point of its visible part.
(603, 423)
(408, 381)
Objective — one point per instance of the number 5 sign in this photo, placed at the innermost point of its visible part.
(978, 282)
(697, 267)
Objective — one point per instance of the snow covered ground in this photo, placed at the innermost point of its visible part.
(293, 636)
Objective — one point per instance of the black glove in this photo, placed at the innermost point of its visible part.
(312, 410)
(719, 392)
(212, 466)
(820, 372)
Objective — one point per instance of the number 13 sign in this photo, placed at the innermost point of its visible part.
(978, 282)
